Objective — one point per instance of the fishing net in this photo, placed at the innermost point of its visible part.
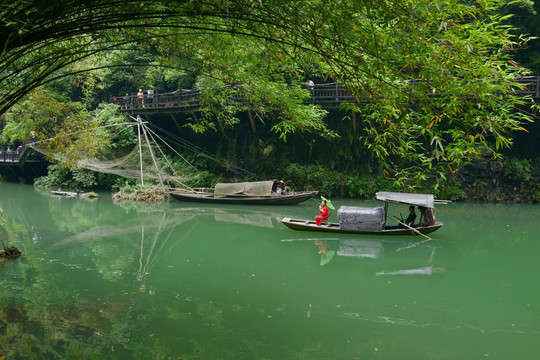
(146, 162)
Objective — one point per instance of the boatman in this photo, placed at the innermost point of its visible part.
(323, 213)
(410, 219)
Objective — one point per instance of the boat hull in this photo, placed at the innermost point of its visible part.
(291, 199)
(310, 225)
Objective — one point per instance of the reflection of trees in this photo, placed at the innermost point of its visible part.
(96, 309)
(42, 319)
(45, 314)
(80, 214)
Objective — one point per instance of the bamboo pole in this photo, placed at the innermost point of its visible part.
(139, 122)
(154, 161)
(419, 233)
(252, 121)
(410, 227)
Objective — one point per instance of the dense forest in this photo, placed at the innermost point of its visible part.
(462, 132)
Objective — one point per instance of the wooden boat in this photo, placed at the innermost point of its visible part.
(74, 194)
(248, 193)
(361, 220)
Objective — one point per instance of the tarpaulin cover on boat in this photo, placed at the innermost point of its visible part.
(425, 200)
(257, 188)
(361, 218)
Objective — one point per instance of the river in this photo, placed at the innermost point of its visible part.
(101, 280)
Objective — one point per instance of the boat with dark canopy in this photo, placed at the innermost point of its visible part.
(367, 220)
(248, 193)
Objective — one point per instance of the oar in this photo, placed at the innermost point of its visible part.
(410, 227)
(309, 239)
(418, 232)
(411, 246)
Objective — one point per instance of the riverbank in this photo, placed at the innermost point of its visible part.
(510, 180)
(505, 180)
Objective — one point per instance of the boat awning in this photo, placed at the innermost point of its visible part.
(257, 188)
(425, 200)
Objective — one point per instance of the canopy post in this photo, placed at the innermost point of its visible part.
(385, 214)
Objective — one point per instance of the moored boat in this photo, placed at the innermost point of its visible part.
(363, 220)
(248, 193)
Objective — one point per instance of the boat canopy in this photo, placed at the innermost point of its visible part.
(425, 200)
(257, 188)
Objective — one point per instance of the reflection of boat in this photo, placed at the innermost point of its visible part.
(426, 270)
(255, 218)
(252, 193)
(362, 249)
(236, 215)
(352, 248)
(363, 220)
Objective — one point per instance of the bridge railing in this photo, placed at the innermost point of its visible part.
(532, 85)
(332, 93)
(176, 99)
(12, 155)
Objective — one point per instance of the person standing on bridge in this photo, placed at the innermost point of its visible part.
(150, 97)
(140, 95)
(126, 102)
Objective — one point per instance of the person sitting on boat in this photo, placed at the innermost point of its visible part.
(278, 187)
(323, 211)
(410, 219)
(428, 214)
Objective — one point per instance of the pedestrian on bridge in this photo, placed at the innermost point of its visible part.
(140, 95)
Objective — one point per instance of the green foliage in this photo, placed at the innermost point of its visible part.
(61, 177)
(138, 193)
(536, 192)
(244, 77)
(332, 183)
(518, 169)
(450, 190)
(459, 56)
(366, 186)
(9, 252)
(314, 177)
(83, 178)
(41, 115)
(56, 177)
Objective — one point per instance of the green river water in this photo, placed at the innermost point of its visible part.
(184, 281)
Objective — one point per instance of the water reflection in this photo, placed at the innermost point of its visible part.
(373, 249)
(158, 231)
(108, 280)
(353, 248)
(363, 249)
(359, 248)
(424, 270)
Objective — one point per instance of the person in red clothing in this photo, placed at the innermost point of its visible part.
(323, 211)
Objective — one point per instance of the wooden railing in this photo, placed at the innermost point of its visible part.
(12, 155)
(333, 93)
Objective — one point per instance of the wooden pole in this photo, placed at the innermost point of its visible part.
(175, 122)
(139, 121)
(252, 121)
(419, 233)
(153, 157)
(413, 229)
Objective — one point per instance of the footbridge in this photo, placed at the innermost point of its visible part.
(326, 95)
